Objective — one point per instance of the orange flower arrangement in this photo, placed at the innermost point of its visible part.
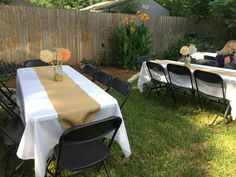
(56, 59)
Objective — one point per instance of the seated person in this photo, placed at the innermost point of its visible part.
(227, 54)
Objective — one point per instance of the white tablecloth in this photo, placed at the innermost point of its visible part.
(230, 84)
(200, 55)
(42, 128)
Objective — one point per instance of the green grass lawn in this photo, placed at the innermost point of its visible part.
(166, 140)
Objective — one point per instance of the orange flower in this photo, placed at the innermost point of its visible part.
(145, 17)
(64, 54)
(132, 29)
(138, 13)
(125, 21)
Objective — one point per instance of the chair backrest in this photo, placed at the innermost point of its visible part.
(103, 78)
(157, 68)
(142, 59)
(121, 86)
(207, 62)
(88, 69)
(214, 80)
(7, 94)
(207, 57)
(7, 90)
(8, 109)
(34, 63)
(181, 72)
(91, 131)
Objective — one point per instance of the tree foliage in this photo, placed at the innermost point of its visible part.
(225, 10)
(222, 10)
(66, 4)
(5, 2)
(199, 8)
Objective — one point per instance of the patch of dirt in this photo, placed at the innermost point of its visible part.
(125, 74)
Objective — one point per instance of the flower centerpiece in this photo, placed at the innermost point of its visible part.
(56, 59)
(186, 51)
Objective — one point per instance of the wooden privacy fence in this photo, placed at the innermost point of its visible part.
(25, 31)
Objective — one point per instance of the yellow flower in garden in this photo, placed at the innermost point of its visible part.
(138, 13)
(126, 21)
(145, 17)
(132, 29)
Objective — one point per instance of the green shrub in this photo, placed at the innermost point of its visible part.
(134, 40)
(203, 41)
(92, 62)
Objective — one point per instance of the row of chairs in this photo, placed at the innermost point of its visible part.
(118, 84)
(177, 72)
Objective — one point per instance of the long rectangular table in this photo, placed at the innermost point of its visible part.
(229, 77)
(42, 126)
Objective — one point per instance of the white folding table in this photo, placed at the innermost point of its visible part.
(42, 127)
(230, 83)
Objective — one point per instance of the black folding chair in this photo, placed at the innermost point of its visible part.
(216, 83)
(8, 96)
(207, 57)
(34, 63)
(158, 77)
(12, 129)
(123, 87)
(142, 59)
(178, 72)
(207, 62)
(103, 78)
(82, 147)
(88, 70)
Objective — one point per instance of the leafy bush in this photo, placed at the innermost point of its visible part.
(203, 41)
(5, 2)
(93, 62)
(134, 40)
(8, 70)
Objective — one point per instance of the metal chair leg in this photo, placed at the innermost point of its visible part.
(225, 114)
(106, 169)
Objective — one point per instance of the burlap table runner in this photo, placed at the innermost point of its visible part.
(73, 105)
(226, 72)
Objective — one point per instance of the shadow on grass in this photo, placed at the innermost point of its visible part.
(165, 141)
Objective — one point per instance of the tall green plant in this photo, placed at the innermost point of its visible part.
(134, 40)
